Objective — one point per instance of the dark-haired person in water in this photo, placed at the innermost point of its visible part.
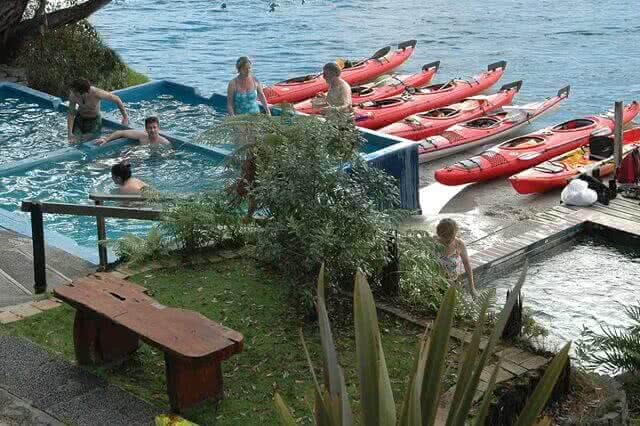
(121, 175)
(149, 136)
(84, 121)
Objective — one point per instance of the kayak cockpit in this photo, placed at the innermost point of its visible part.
(572, 125)
(382, 103)
(440, 113)
(482, 122)
(524, 142)
(433, 88)
(298, 80)
(361, 90)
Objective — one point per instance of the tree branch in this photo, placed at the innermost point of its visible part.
(56, 19)
(11, 13)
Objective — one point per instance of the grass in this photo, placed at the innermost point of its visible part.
(134, 78)
(241, 296)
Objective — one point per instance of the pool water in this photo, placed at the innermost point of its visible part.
(188, 121)
(166, 169)
(27, 129)
(182, 120)
(581, 286)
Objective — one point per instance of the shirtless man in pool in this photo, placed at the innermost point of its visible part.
(338, 97)
(149, 136)
(84, 121)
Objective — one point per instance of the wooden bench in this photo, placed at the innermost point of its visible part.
(113, 314)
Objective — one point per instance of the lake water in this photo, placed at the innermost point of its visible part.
(583, 285)
(547, 43)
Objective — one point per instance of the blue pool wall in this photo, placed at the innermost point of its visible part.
(398, 157)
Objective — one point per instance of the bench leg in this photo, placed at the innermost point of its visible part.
(98, 340)
(192, 381)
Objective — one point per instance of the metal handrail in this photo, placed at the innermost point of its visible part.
(37, 208)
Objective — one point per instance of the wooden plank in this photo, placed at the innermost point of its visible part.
(613, 213)
(191, 382)
(87, 210)
(178, 331)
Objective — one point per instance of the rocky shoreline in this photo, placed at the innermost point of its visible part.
(12, 74)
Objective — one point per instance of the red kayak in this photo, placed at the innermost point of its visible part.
(437, 120)
(520, 153)
(391, 86)
(558, 171)
(300, 88)
(486, 129)
(377, 114)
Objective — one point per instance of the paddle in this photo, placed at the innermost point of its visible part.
(380, 53)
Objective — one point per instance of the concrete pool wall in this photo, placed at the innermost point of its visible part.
(396, 156)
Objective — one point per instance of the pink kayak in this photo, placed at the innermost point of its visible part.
(434, 122)
(390, 86)
(487, 129)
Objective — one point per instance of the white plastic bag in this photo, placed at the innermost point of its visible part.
(577, 193)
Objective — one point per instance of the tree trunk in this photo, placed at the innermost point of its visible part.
(14, 31)
(11, 12)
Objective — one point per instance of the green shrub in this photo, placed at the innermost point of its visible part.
(138, 250)
(203, 220)
(317, 210)
(614, 349)
(423, 281)
(54, 60)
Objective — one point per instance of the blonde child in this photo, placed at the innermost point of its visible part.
(454, 253)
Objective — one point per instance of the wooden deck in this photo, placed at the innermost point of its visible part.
(553, 227)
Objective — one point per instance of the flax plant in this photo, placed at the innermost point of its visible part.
(420, 405)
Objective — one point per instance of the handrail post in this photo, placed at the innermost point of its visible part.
(617, 141)
(39, 261)
(102, 236)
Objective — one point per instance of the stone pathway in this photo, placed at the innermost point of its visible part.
(39, 388)
(17, 277)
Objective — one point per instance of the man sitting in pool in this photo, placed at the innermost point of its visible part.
(121, 175)
(149, 136)
(84, 121)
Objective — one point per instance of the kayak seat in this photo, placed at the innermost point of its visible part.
(600, 148)
(550, 168)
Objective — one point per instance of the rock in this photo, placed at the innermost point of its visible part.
(3, 74)
(18, 72)
(11, 79)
